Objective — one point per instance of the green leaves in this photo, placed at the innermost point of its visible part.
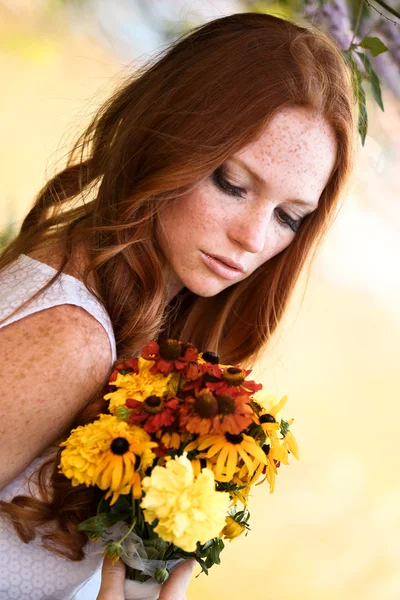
(374, 80)
(374, 44)
(107, 515)
(98, 523)
(284, 427)
(242, 517)
(209, 554)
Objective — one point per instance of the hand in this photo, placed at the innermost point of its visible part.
(175, 586)
(113, 578)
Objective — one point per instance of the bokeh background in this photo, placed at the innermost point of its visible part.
(331, 530)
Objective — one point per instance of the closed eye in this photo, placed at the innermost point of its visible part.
(238, 192)
(287, 220)
(224, 185)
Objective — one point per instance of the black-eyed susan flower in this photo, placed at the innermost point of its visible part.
(269, 470)
(139, 386)
(209, 357)
(269, 404)
(268, 416)
(188, 509)
(288, 440)
(228, 449)
(276, 451)
(201, 462)
(108, 453)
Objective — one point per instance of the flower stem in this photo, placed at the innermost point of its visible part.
(129, 531)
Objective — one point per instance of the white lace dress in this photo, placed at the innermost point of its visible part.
(29, 571)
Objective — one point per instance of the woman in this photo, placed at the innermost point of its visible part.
(187, 208)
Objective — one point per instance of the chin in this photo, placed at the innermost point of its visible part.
(206, 289)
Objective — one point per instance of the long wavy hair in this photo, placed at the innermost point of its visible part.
(171, 125)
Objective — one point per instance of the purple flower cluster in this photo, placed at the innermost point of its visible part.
(332, 16)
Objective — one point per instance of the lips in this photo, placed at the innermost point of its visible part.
(228, 262)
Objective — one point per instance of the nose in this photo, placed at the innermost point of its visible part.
(250, 229)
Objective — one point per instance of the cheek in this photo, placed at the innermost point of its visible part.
(194, 214)
(276, 244)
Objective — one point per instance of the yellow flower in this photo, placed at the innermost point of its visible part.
(229, 448)
(201, 462)
(232, 529)
(140, 386)
(289, 441)
(113, 551)
(269, 402)
(273, 453)
(242, 494)
(269, 418)
(188, 509)
(105, 453)
(171, 440)
(270, 472)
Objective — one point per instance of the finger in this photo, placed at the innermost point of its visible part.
(175, 586)
(112, 580)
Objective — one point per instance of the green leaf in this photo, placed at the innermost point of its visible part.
(374, 44)
(98, 523)
(207, 545)
(374, 80)
(204, 568)
(359, 93)
(284, 427)
(122, 505)
(376, 90)
(363, 116)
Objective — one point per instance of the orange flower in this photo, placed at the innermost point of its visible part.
(172, 355)
(212, 413)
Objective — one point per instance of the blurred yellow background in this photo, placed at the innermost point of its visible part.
(331, 529)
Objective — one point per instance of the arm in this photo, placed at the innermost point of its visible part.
(51, 362)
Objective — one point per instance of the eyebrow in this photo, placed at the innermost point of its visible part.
(262, 181)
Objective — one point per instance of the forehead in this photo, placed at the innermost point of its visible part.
(297, 144)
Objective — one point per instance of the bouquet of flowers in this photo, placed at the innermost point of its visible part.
(183, 441)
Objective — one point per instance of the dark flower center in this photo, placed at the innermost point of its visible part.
(266, 449)
(153, 404)
(211, 357)
(234, 438)
(206, 405)
(170, 349)
(119, 445)
(267, 419)
(234, 376)
(226, 404)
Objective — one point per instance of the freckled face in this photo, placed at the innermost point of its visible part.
(250, 208)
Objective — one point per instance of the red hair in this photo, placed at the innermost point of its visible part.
(167, 128)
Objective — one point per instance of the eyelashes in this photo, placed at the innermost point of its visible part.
(220, 181)
(223, 184)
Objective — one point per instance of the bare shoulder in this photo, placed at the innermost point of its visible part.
(53, 361)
